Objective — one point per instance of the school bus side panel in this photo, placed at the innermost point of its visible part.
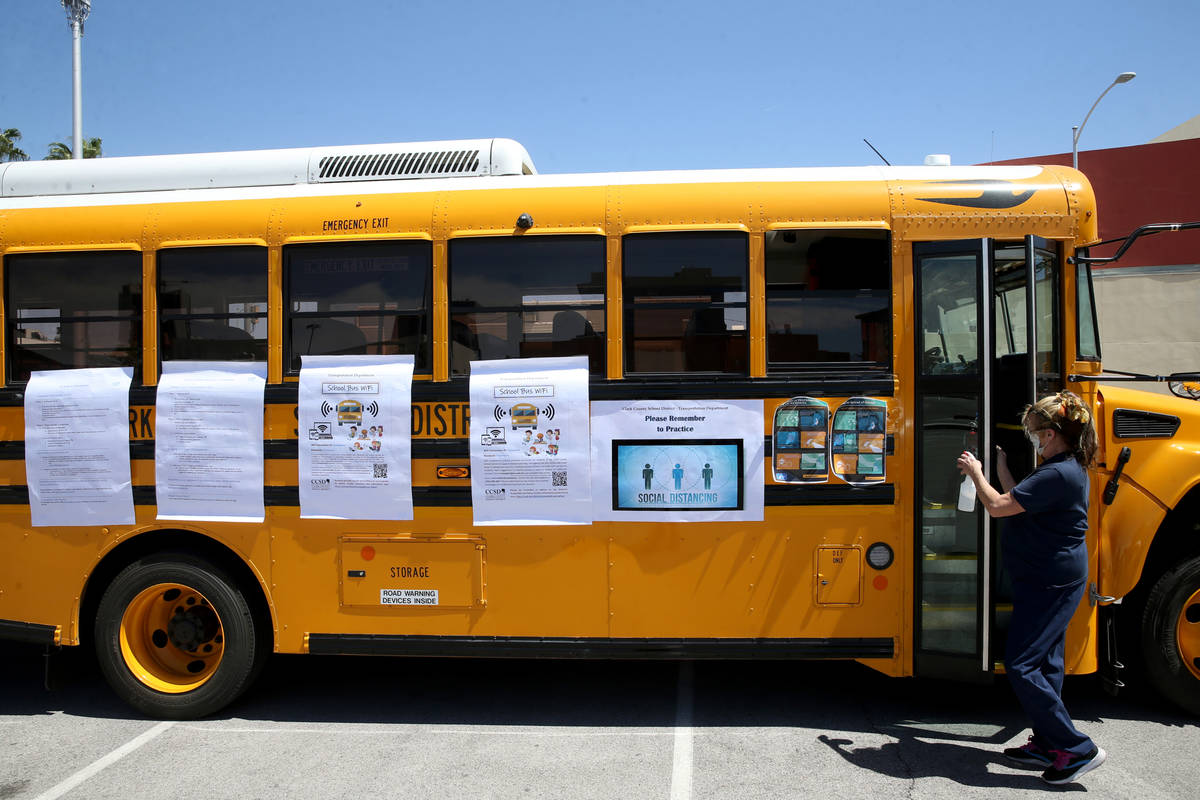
(1160, 472)
(538, 581)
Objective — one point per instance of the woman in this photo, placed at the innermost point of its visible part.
(1045, 554)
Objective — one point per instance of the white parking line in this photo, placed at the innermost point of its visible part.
(372, 729)
(104, 761)
(391, 728)
(681, 759)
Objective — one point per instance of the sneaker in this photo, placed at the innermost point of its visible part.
(1068, 766)
(1029, 755)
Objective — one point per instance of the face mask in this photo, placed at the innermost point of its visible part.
(1035, 440)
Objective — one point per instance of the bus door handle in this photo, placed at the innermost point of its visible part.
(1110, 488)
(1097, 598)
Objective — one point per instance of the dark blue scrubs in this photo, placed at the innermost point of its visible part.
(1045, 553)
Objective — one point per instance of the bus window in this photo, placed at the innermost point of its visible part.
(1088, 337)
(212, 303)
(685, 302)
(370, 298)
(69, 310)
(1010, 314)
(950, 317)
(828, 298)
(526, 297)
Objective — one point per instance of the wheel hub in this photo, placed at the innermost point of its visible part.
(171, 638)
(189, 629)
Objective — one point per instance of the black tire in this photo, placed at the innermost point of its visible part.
(1170, 635)
(177, 638)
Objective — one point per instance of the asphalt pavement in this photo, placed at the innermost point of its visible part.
(343, 727)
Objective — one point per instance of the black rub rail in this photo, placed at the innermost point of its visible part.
(599, 648)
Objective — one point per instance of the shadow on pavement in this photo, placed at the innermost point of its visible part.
(819, 695)
(913, 759)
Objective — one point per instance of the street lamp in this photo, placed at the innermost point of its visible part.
(77, 12)
(1076, 130)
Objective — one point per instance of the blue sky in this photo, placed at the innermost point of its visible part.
(604, 86)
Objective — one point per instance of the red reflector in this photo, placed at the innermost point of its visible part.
(880, 582)
(368, 553)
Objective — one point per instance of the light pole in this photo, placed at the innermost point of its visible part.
(1076, 130)
(77, 12)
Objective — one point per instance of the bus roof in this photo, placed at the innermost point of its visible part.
(373, 162)
(423, 166)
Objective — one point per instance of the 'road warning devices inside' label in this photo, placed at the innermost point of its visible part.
(408, 597)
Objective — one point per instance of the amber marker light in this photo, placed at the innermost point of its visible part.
(460, 471)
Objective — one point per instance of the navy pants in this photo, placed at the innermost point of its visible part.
(1034, 660)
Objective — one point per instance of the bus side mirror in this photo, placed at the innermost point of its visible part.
(1183, 385)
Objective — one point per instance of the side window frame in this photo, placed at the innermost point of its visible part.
(1083, 280)
(215, 316)
(424, 356)
(133, 318)
(886, 293)
(702, 347)
(598, 366)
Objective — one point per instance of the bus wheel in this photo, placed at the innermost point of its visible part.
(1171, 635)
(176, 637)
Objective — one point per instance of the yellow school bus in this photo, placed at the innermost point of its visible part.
(523, 415)
(936, 300)
(349, 412)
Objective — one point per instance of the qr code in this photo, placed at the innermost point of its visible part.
(380, 470)
(559, 478)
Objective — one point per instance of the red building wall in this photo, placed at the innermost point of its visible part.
(1138, 185)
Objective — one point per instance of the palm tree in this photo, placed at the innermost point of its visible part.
(8, 146)
(60, 151)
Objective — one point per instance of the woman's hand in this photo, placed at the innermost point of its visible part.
(969, 465)
(1002, 470)
(998, 505)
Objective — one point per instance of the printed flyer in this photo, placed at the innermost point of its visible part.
(77, 447)
(678, 460)
(529, 442)
(355, 450)
(208, 447)
(801, 443)
(859, 440)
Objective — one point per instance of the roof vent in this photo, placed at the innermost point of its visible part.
(937, 160)
(381, 162)
(429, 164)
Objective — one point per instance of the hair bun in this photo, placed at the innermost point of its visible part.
(1073, 408)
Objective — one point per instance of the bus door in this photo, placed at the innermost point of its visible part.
(975, 373)
(1022, 373)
